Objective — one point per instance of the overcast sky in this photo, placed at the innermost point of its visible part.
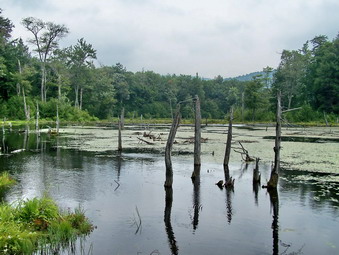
(211, 37)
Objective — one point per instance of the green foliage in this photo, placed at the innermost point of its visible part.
(39, 212)
(6, 181)
(68, 78)
(37, 224)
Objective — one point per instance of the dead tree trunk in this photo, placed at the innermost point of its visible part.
(119, 136)
(229, 182)
(37, 118)
(325, 118)
(26, 108)
(273, 182)
(168, 149)
(57, 120)
(197, 139)
(229, 140)
(256, 173)
(122, 118)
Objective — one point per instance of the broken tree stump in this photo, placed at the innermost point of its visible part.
(256, 172)
(229, 140)
(197, 139)
(273, 182)
(119, 136)
(168, 149)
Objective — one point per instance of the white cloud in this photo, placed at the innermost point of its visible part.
(226, 37)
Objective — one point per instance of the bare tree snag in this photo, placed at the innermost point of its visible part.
(37, 118)
(147, 142)
(119, 136)
(168, 149)
(229, 140)
(229, 181)
(197, 138)
(57, 120)
(273, 182)
(122, 118)
(244, 154)
(256, 173)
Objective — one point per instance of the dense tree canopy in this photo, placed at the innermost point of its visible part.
(50, 76)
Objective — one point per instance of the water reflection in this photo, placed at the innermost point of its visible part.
(196, 199)
(119, 162)
(256, 186)
(229, 194)
(167, 219)
(243, 169)
(274, 198)
(229, 208)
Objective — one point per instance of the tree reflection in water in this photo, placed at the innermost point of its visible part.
(274, 198)
(229, 193)
(256, 186)
(196, 199)
(167, 219)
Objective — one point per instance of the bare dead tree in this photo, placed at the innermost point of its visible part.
(229, 140)
(168, 149)
(197, 138)
(273, 182)
(119, 136)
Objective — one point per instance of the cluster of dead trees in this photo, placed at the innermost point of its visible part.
(229, 181)
(197, 140)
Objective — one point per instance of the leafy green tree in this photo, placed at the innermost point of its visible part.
(290, 75)
(45, 37)
(81, 58)
(324, 74)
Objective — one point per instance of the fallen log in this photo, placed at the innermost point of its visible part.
(150, 143)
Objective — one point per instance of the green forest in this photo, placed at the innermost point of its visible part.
(38, 76)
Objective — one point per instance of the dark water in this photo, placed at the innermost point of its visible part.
(123, 195)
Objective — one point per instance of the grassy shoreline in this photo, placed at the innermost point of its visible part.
(38, 225)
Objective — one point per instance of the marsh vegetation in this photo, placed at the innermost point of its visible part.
(82, 167)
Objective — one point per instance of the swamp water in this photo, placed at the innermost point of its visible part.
(124, 197)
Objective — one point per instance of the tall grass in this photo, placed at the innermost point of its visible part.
(6, 181)
(37, 225)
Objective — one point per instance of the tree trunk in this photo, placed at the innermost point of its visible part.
(57, 120)
(289, 97)
(43, 82)
(325, 118)
(119, 136)
(80, 103)
(273, 182)
(37, 118)
(18, 85)
(242, 105)
(256, 173)
(76, 101)
(229, 140)
(197, 139)
(59, 87)
(26, 109)
(168, 149)
(122, 118)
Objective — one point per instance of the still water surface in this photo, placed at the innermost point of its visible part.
(123, 195)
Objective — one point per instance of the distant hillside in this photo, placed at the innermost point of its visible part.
(249, 77)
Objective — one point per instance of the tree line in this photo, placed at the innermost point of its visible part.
(47, 77)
